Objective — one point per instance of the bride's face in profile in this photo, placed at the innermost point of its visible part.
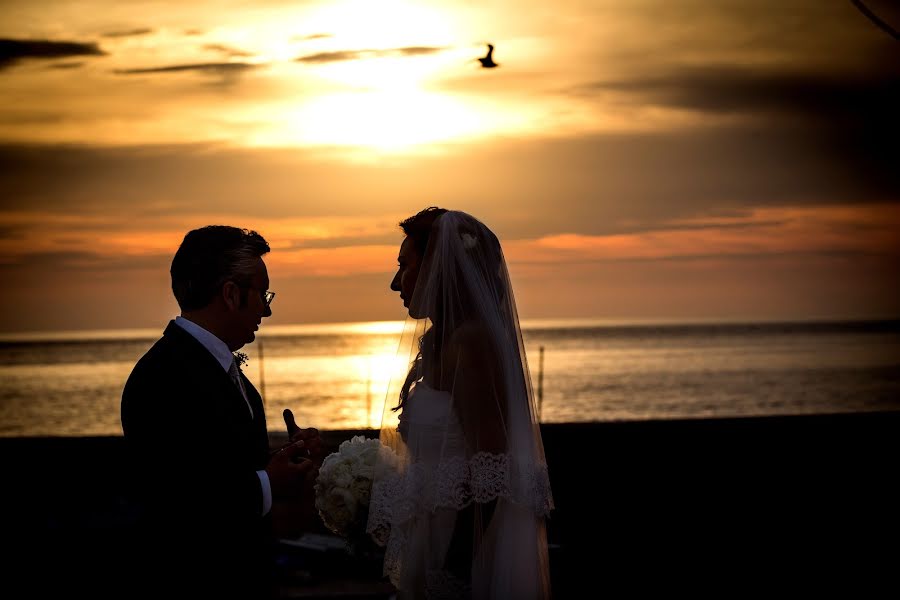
(407, 271)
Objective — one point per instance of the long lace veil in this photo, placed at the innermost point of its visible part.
(460, 498)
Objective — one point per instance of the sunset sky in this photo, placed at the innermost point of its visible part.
(648, 159)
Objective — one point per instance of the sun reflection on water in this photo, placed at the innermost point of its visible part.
(346, 389)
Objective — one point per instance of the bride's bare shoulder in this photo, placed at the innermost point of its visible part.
(471, 343)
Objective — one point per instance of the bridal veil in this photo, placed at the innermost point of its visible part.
(460, 500)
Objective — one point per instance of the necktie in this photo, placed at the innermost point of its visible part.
(235, 374)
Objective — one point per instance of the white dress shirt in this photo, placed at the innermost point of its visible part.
(221, 353)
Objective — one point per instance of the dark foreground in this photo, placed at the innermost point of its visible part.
(718, 507)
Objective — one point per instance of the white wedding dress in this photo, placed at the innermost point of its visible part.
(416, 552)
(424, 502)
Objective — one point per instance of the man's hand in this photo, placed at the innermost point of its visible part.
(294, 506)
(309, 436)
(290, 472)
(291, 424)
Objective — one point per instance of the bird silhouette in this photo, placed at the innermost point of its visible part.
(488, 61)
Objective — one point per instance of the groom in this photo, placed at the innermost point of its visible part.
(195, 428)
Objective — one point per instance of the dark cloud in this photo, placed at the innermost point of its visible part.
(851, 115)
(13, 51)
(325, 57)
(418, 50)
(732, 257)
(700, 224)
(603, 184)
(740, 89)
(12, 232)
(23, 116)
(343, 55)
(128, 33)
(332, 242)
(227, 50)
(310, 37)
(220, 74)
(221, 68)
(66, 65)
(85, 261)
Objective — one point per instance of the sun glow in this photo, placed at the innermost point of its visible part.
(385, 120)
(379, 71)
(385, 24)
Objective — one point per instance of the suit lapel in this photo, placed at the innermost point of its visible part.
(207, 366)
(259, 411)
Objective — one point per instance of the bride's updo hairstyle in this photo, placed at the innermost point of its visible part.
(418, 227)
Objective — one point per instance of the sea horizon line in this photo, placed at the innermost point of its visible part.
(388, 327)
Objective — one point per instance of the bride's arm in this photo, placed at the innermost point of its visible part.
(479, 402)
(479, 397)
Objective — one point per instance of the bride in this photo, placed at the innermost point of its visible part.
(463, 514)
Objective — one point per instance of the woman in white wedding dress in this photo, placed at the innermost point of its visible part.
(461, 513)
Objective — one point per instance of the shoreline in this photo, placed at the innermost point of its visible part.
(755, 499)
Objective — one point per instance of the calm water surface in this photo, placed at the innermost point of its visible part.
(333, 376)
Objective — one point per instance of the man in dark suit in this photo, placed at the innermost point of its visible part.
(195, 426)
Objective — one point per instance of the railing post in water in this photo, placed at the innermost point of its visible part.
(369, 396)
(540, 383)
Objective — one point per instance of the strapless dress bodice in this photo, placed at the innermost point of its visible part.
(429, 425)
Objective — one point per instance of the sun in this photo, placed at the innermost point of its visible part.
(387, 120)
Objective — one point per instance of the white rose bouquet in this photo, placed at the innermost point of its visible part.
(344, 485)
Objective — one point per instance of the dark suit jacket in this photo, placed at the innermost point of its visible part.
(194, 452)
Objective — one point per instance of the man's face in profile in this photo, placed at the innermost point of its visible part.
(245, 321)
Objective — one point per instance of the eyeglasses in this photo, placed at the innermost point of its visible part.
(266, 295)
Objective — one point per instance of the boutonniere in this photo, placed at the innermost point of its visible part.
(240, 358)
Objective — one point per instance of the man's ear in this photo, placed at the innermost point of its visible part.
(231, 294)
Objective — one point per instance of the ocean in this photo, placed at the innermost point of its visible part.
(334, 376)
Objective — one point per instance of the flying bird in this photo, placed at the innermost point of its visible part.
(488, 61)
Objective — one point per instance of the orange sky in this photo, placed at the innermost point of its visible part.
(641, 160)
